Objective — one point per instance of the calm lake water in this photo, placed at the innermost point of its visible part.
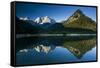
(61, 49)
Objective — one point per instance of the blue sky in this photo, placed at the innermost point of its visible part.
(57, 12)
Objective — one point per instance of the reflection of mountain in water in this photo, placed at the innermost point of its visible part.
(77, 46)
(40, 48)
(45, 49)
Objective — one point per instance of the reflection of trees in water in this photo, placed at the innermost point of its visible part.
(79, 48)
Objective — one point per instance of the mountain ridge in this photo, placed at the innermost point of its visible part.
(80, 20)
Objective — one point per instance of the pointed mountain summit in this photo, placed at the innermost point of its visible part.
(47, 19)
(78, 11)
(77, 14)
(79, 20)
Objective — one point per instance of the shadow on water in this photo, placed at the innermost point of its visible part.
(76, 45)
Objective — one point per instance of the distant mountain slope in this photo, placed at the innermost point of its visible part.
(25, 27)
(80, 20)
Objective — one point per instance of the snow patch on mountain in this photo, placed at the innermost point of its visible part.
(24, 18)
(42, 20)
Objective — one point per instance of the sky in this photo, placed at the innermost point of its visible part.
(57, 12)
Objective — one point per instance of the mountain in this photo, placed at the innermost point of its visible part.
(25, 26)
(24, 18)
(38, 20)
(77, 23)
(43, 20)
(80, 20)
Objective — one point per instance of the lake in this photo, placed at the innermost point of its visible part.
(55, 49)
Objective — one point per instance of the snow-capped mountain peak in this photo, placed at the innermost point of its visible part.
(42, 20)
(24, 18)
(38, 20)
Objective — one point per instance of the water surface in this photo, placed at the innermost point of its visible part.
(55, 49)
